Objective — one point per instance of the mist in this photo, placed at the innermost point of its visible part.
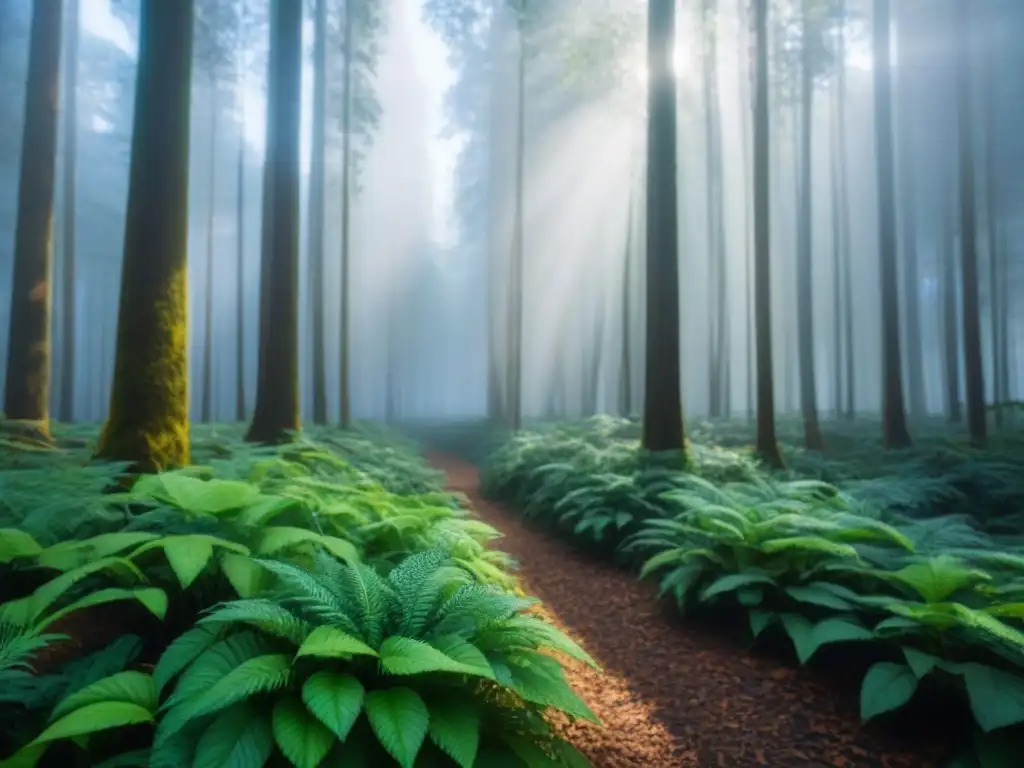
(437, 214)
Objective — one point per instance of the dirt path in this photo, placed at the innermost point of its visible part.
(672, 696)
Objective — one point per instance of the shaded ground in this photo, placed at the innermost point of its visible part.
(676, 696)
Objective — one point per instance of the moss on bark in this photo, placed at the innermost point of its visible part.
(27, 391)
(148, 419)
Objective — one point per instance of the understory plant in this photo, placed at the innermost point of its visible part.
(339, 665)
(870, 558)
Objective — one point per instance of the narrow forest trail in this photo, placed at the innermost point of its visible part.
(672, 696)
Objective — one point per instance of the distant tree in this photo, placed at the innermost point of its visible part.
(69, 308)
(148, 419)
(974, 373)
(315, 217)
(766, 443)
(216, 47)
(894, 418)
(27, 391)
(361, 24)
(277, 385)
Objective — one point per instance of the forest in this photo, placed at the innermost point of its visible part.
(511, 383)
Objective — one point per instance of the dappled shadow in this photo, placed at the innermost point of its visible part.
(675, 695)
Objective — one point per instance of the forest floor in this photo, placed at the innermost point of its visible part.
(676, 695)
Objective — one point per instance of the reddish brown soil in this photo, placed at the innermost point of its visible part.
(676, 696)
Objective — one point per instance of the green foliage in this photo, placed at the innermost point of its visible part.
(425, 653)
(887, 551)
(344, 567)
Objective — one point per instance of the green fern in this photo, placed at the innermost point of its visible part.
(339, 642)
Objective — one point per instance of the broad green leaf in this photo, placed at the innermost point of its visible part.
(15, 543)
(267, 672)
(72, 554)
(299, 735)
(246, 576)
(455, 728)
(997, 697)
(664, 558)
(92, 718)
(182, 651)
(936, 578)
(538, 678)
(920, 662)
(188, 556)
(400, 719)
(1007, 610)
(240, 737)
(153, 599)
(330, 643)
(886, 686)
(733, 581)
(209, 497)
(838, 630)
(759, 620)
(280, 538)
(817, 596)
(130, 686)
(405, 656)
(53, 590)
(334, 699)
(809, 544)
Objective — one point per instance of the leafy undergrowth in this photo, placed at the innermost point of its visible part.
(319, 603)
(913, 559)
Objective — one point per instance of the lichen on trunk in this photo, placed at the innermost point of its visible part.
(148, 419)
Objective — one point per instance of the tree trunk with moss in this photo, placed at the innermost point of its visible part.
(27, 392)
(148, 419)
(663, 408)
(277, 382)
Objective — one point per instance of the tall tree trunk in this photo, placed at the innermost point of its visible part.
(592, 369)
(950, 332)
(837, 257)
(240, 409)
(791, 266)
(1005, 345)
(995, 257)
(663, 408)
(147, 422)
(744, 69)
(277, 384)
(206, 406)
(766, 443)
(514, 363)
(844, 216)
(971, 318)
(495, 397)
(626, 359)
(69, 282)
(315, 217)
(813, 439)
(894, 418)
(909, 225)
(27, 394)
(715, 266)
(348, 62)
